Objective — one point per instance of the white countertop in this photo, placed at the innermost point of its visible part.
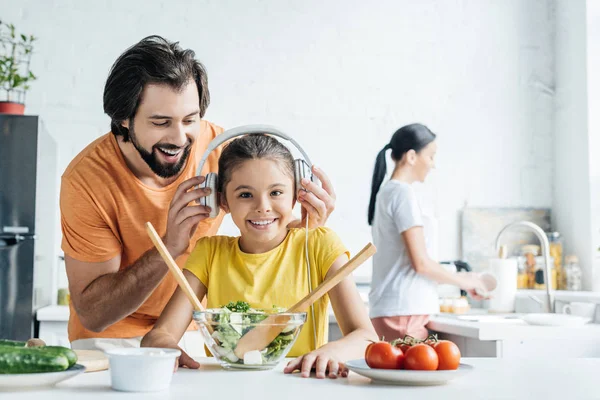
(446, 323)
(507, 329)
(53, 313)
(490, 379)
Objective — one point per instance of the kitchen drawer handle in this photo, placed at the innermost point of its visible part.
(10, 241)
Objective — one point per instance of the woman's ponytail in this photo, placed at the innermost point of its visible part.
(378, 177)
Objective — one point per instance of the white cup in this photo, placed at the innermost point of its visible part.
(581, 309)
(490, 281)
(144, 369)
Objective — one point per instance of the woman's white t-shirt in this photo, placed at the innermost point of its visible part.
(396, 289)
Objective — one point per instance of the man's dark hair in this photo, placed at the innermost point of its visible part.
(151, 60)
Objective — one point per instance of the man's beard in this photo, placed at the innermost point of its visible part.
(160, 169)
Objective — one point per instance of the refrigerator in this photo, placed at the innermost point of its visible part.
(28, 222)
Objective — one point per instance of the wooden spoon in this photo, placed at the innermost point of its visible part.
(268, 329)
(177, 274)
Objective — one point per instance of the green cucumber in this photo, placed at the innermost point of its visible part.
(65, 351)
(12, 343)
(14, 360)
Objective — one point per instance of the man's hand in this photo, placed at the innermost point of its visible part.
(317, 202)
(183, 218)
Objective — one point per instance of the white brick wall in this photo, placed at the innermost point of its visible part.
(339, 75)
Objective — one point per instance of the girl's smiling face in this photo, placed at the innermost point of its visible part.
(260, 198)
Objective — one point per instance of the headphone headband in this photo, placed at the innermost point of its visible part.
(248, 130)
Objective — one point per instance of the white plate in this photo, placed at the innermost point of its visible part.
(407, 377)
(491, 318)
(38, 379)
(554, 319)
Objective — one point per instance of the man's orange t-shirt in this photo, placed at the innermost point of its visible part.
(104, 208)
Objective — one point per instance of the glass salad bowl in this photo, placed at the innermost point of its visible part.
(222, 328)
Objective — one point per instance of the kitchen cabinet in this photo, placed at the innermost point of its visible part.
(523, 348)
(53, 322)
(514, 339)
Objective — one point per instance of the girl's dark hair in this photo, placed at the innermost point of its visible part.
(151, 60)
(410, 137)
(252, 147)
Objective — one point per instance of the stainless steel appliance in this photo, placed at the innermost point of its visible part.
(28, 222)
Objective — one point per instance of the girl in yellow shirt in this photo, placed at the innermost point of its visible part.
(266, 265)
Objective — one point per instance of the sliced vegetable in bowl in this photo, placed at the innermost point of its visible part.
(222, 328)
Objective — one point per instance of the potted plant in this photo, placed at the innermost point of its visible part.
(15, 76)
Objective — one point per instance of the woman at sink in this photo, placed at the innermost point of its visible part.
(405, 276)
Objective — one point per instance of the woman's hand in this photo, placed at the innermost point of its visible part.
(317, 202)
(473, 284)
(324, 362)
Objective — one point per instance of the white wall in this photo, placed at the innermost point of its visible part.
(593, 98)
(577, 133)
(340, 76)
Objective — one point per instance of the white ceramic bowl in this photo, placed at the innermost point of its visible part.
(143, 369)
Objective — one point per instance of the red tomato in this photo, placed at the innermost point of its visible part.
(404, 347)
(383, 355)
(421, 357)
(448, 354)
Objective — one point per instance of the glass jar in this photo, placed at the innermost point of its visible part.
(573, 274)
(445, 305)
(529, 252)
(522, 278)
(540, 266)
(556, 242)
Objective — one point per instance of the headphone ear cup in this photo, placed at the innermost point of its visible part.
(211, 200)
(302, 170)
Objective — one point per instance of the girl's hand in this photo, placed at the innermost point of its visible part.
(322, 361)
(317, 202)
(155, 339)
(187, 361)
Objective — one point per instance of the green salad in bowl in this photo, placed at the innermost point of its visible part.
(223, 327)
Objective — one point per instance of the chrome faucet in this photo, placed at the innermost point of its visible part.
(549, 306)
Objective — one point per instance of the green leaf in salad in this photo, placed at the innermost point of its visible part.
(237, 306)
(277, 346)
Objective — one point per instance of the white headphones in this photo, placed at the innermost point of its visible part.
(302, 168)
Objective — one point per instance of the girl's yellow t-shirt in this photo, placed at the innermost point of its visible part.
(278, 277)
